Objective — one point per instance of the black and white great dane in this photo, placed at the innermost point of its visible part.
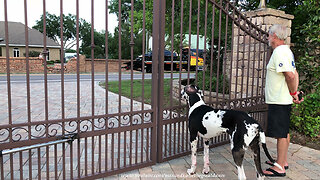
(206, 122)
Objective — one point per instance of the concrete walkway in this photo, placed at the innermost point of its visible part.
(304, 163)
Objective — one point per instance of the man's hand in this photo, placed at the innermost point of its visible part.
(297, 98)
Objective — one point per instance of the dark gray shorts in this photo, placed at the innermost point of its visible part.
(278, 120)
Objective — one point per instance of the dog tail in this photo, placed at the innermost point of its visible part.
(264, 146)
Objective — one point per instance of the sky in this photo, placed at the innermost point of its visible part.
(15, 10)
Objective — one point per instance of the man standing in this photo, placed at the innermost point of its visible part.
(282, 82)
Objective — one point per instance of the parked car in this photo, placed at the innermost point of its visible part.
(137, 63)
(193, 58)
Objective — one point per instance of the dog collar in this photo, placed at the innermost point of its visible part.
(197, 104)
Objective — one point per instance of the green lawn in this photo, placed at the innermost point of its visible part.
(113, 86)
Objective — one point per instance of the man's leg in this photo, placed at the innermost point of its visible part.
(286, 157)
(282, 151)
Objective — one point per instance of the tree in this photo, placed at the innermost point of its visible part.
(69, 28)
(99, 43)
(138, 18)
(125, 43)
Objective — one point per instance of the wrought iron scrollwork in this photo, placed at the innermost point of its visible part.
(71, 127)
(113, 122)
(100, 123)
(147, 117)
(4, 135)
(55, 129)
(39, 131)
(125, 120)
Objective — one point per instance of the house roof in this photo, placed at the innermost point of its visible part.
(17, 36)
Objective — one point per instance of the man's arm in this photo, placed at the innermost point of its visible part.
(292, 79)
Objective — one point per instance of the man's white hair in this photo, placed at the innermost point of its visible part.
(279, 30)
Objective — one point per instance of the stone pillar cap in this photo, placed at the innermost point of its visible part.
(268, 12)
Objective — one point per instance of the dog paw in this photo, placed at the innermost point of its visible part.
(191, 171)
(206, 170)
(260, 177)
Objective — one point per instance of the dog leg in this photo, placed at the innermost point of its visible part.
(238, 158)
(206, 163)
(241, 174)
(256, 151)
(194, 143)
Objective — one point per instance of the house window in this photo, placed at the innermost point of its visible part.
(16, 52)
(0, 51)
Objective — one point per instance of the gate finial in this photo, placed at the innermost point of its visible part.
(262, 4)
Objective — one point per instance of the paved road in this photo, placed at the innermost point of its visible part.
(16, 78)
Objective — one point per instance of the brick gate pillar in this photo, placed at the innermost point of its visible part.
(249, 57)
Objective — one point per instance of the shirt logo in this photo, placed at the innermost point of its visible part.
(280, 65)
(293, 64)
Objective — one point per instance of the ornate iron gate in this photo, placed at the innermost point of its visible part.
(234, 52)
(87, 132)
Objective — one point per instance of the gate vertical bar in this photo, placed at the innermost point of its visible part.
(27, 81)
(219, 53)
(131, 92)
(1, 167)
(171, 77)
(39, 164)
(211, 51)
(106, 84)
(237, 60)
(62, 89)
(157, 75)
(231, 56)
(27, 62)
(154, 88)
(197, 50)
(78, 90)
(119, 54)
(225, 56)
(265, 59)
(8, 81)
(46, 109)
(21, 165)
(254, 62)
(92, 81)
(143, 52)
(142, 69)
(242, 62)
(259, 67)
(205, 45)
(161, 78)
(180, 69)
(248, 60)
(189, 42)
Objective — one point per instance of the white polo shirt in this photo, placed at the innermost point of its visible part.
(276, 89)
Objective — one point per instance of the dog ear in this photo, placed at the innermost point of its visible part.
(198, 90)
(201, 93)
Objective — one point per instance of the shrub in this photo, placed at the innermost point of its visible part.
(307, 45)
(50, 62)
(305, 117)
(33, 54)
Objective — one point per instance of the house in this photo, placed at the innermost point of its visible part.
(17, 45)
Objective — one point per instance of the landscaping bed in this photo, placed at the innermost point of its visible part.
(303, 140)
